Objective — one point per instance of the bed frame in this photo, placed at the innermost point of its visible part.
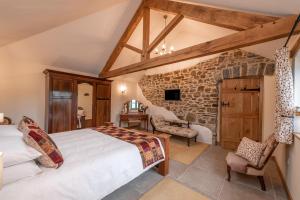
(163, 167)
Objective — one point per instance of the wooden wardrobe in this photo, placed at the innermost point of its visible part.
(241, 103)
(62, 102)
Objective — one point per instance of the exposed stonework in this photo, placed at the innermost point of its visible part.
(198, 84)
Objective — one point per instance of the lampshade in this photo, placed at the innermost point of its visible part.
(1, 117)
(123, 88)
(1, 169)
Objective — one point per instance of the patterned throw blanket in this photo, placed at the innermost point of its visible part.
(148, 146)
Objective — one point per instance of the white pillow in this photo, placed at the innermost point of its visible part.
(14, 173)
(10, 130)
(16, 151)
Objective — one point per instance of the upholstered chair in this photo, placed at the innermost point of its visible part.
(241, 165)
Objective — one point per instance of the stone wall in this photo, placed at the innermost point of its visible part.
(198, 84)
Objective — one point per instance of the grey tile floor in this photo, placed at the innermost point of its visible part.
(207, 175)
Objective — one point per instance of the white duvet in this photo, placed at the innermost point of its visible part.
(94, 166)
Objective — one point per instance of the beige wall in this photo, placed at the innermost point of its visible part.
(287, 156)
(118, 99)
(268, 119)
(292, 173)
(293, 169)
(22, 88)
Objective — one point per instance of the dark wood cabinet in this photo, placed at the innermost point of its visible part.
(103, 91)
(241, 111)
(103, 112)
(62, 101)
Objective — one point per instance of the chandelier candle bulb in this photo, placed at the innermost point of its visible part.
(163, 49)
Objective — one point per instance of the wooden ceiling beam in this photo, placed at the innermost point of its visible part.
(146, 33)
(165, 31)
(295, 48)
(224, 18)
(125, 37)
(263, 33)
(133, 48)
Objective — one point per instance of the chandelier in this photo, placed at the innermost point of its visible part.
(163, 50)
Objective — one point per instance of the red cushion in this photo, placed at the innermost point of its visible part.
(40, 140)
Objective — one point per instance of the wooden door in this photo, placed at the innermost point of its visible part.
(103, 105)
(240, 111)
(103, 112)
(61, 105)
(103, 91)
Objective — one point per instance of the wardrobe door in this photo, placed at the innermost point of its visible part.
(103, 112)
(103, 91)
(61, 105)
(61, 115)
(103, 103)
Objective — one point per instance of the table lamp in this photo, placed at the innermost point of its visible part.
(1, 169)
(1, 117)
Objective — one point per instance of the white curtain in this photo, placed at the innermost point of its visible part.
(284, 110)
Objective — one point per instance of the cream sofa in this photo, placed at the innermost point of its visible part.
(159, 124)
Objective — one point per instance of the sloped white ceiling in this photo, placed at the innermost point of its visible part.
(80, 35)
(271, 7)
(20, 19)
(83, 44)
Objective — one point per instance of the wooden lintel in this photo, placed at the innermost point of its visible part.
(259, 34)
(165, 31)
(220, 17)
(146, 33)
(295, 48)
(125, 37)
(133, 48)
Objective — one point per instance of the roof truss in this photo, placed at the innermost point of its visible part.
(295, 48)
(253, 29)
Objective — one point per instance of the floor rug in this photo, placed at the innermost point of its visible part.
(180, 152)
(169, 189)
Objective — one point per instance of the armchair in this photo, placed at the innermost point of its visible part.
(241, 165)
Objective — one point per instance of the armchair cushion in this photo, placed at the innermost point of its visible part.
(236, 162)
(251, 150)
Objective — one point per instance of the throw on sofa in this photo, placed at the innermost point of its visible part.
(159, 124)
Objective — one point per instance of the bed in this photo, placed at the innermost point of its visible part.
(95, 164)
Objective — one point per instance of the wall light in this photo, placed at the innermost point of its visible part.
(123, 88)
(1, 117)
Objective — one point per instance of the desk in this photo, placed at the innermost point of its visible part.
(127, 117)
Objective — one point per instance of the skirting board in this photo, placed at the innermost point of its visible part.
(282, 179)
